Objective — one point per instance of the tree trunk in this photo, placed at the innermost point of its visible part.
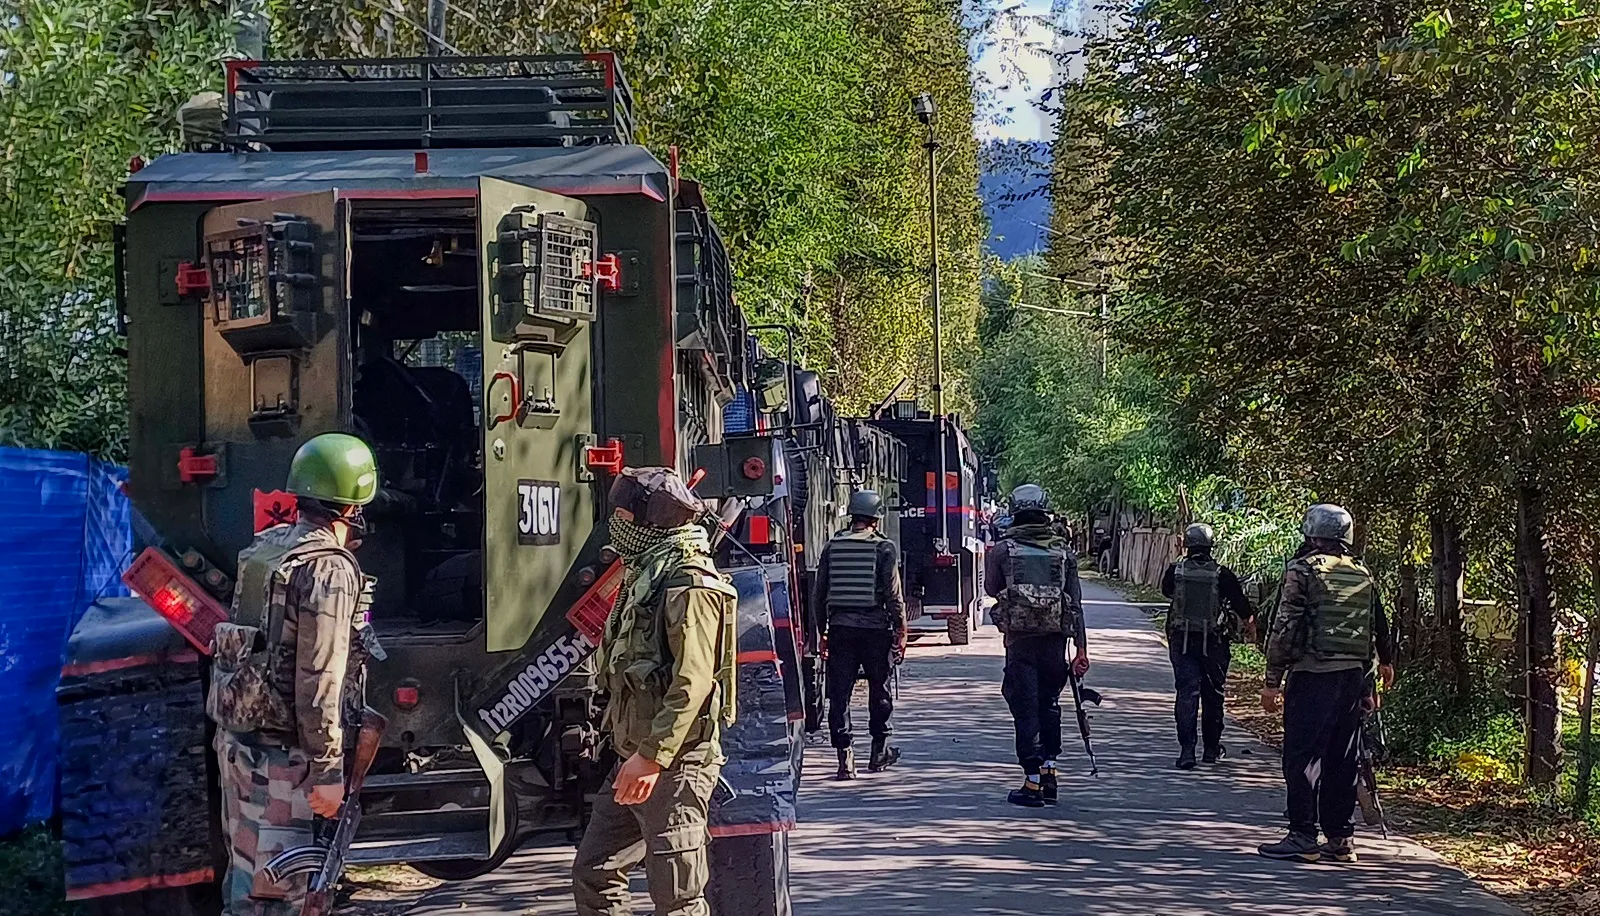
(1533, 577)
(1408, 607)
(1448, 582)
(1586, 709)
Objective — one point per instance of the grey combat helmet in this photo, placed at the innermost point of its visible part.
(1329, 522)
(865, 504)
(1029, 497)
(1199, 535)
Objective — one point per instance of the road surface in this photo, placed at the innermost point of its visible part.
(935, 836)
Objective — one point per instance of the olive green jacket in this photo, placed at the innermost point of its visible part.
(666, 705)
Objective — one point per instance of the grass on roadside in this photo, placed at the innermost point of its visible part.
(31, 876)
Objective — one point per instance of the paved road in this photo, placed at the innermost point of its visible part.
(936, 837)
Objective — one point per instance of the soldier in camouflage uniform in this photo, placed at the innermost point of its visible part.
(283, 673)
(1033, 576)
(1329, 629)
(668, 661)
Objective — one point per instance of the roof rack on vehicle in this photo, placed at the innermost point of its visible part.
(428, 102)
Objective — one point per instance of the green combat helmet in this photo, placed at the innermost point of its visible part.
(334, 468)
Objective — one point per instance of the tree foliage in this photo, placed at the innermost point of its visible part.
(1354, 244)
(85, 85)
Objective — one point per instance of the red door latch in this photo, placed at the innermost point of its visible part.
(193, 280)
(193, 468)
(606, 457)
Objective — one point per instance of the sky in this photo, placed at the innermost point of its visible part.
(1014, 62)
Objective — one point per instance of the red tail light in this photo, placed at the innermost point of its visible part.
(587, 575)
(754, 468)
(156, 578)
(760, 530)
(944, 559)
(407, 697)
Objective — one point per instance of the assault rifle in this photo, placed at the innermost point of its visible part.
(1079, 694)
(326, 854)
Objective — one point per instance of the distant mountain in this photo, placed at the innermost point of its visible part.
(1014, 187)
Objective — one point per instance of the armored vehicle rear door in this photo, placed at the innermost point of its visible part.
(273, 347)
(539, 299)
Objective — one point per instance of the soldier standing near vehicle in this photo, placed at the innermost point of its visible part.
(1199, 639)
(1329, 626)
(864, 628)
(668, 661)
(1033, 575)
(286, 671)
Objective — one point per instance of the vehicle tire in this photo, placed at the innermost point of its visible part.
(194, 900)
(960, 629)
(467, 869)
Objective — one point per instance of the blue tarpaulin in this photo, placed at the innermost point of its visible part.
(64, 541)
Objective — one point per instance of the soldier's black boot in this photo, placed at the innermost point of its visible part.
(1294, 847)
(1186, 758)
(883, 756)
(1214, 753)
(1049, 788)
(847, 764)
(1030, 795)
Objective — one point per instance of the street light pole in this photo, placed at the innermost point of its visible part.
(922, 106)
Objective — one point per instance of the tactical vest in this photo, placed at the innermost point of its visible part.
(853, 570)
(245, 694)
(1196, 600)
(634, 655)
(1036, 580)
(1341, 599)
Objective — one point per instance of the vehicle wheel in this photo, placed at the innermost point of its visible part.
(467, 869)
(194, 900)
(960, 629)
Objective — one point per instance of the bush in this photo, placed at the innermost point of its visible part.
(1480, 735)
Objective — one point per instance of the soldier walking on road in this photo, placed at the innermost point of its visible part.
(1033, 575)
(857, 586)
(1329, 626)
(287, 672)
(1199, 639)
(668, 661)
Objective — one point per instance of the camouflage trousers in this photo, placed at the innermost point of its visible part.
(266, 808)
(667, 833)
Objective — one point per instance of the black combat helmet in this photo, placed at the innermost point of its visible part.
(866, 504)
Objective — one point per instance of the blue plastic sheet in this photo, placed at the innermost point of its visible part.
(64, 541)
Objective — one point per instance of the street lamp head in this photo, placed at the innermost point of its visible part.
(922, 106)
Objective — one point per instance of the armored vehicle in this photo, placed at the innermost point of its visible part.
(944, 589)
(468, 263)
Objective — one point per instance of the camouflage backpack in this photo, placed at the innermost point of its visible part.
(1036, 578)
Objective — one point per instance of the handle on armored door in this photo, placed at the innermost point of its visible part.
(516, 397)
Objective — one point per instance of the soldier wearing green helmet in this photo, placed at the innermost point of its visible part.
(287, 668)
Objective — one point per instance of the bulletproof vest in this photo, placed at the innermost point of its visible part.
(1035, 586)
(245, 693)
(853, 570)
(645, 655)
(1341, 599)
(1196, 601)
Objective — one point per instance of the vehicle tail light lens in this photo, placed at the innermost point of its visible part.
(945, 559)
(586, 576)
(407, 697)
(760, 529)
(156, 578)
(754, 468)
